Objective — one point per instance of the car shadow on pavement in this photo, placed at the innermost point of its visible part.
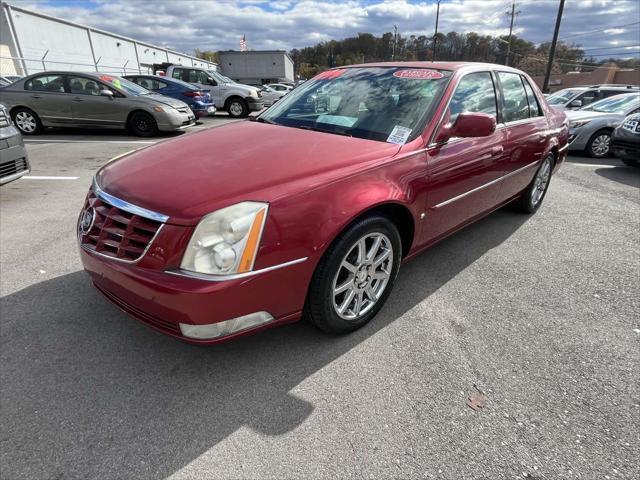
(89, 392)
(626, 175)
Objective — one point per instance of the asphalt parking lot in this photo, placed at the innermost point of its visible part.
(541, 313)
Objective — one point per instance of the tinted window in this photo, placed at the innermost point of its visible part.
(177, 73)
(474, 93)
(45, 83)
(514, 103)
(534, 105)
(149, 83)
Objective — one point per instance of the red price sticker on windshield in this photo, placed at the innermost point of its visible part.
(106, 78)
(329, 74)
(418, 74)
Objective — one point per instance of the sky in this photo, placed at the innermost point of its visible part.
(601, 27)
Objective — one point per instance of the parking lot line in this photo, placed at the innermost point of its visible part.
(36, 177)
(595, 165)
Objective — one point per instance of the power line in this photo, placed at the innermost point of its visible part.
(598, 31)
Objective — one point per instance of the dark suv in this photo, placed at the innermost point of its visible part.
(625, 140)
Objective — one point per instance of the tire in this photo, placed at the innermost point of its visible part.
(142, 124)
(532, 197)
(630, 163)
(370, 284)
(237, 108)
(599, 145)
(27, 121)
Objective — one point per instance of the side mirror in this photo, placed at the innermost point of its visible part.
(576, 104)
(106, 93)
(467, 125)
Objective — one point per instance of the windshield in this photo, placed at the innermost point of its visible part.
(563, 96)
(379, 103)
(124, 85)
(617, 104)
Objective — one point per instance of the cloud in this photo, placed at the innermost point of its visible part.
(282, 24)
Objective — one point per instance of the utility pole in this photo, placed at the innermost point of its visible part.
(435, 35)
(395, 39)
(513, 14)
(552, 50)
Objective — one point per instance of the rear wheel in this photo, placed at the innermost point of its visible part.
(599, 145)
(27, 121)
(355, 276)
(143, 124)
(534, 194)
(237, 108)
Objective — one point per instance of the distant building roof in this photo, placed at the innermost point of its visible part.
(254, 52)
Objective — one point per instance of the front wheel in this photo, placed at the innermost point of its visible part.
(143, 124)
(238, 108)
(355, 276)
(599, 145)
(532, 197)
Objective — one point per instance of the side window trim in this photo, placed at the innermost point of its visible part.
(539, 111)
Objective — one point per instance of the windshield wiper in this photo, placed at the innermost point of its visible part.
(316, 129)
(264, 120)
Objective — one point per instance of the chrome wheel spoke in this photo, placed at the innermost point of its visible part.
(363, 276)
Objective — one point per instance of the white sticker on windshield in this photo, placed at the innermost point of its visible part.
(399, 135)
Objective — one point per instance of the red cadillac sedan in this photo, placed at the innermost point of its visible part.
(311, 208)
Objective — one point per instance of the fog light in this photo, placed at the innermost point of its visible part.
(222, 329)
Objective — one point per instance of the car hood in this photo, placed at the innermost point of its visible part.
(172, 102)
(198, 173)
(590, 115)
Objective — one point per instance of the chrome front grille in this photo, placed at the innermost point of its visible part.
(13, 166)
(114, 232)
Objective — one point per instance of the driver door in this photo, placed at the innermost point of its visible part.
(465, 173)
(91, 109)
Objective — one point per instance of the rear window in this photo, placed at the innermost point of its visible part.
(45, 83)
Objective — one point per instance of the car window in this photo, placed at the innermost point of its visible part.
(45, 83)
(149, 83)
(177, 73)
(616, 104)
(387, 104)
(84, 86)
(118, 84)
(514, 102)
(534, 105)
(561, 97)
(474, 93)
(587, 98)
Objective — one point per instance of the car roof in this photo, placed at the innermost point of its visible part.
(453, 66)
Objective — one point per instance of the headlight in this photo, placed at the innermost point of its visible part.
(578, 123)
(226, 241)
(253, 93)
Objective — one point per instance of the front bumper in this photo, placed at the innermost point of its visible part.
(255, 104)
(164, 300)
(172, 119)
(13, 156)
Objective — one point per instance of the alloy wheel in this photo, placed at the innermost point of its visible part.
(601, 145)
(236, 109)
(26, 122)
(541, 181)
(363, 276)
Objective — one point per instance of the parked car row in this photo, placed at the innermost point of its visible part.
(581, 96)
(591, 127)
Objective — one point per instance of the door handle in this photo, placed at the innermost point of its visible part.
(77, 99)
(35, 96)
(497, 150)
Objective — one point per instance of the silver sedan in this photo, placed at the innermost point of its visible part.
(72, 99)
(590, 127)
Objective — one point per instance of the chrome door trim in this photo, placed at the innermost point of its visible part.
(492, 182)
(128, 207)
(233, 276)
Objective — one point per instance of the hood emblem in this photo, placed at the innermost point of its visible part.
(87, 219)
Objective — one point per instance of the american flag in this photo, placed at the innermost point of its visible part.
(243, 43)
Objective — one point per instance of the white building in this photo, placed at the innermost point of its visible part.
(32, 42)
(256, 67)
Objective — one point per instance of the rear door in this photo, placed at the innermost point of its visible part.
(91, 109)
(46, 95)
(526, 129)
(465, 172)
